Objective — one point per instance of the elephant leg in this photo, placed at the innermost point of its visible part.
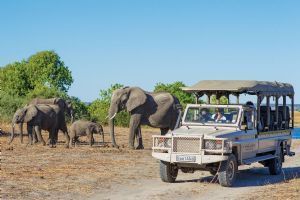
(133, 128)
(71, 142)
(76, 141)
(30, 132)
(34, 137)
(21, 132)
(65, 131)
(164, 131)
(52, 133)
(39, 134)
(139, 138)
(90, 136)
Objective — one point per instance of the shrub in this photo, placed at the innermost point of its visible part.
(8, 106)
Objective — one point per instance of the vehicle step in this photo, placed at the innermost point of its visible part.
(257, 159)
(291, 153)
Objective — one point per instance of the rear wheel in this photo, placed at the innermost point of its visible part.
(275, 164)
(228, 171)
(168, 172)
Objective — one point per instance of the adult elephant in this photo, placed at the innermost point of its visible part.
(159, 110)
(37, 117)
(65, 105)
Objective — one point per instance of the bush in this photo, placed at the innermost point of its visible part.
(8, 106)
(80, 109)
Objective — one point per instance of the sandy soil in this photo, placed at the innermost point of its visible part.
(101, 172)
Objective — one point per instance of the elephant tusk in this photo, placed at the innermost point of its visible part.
(113, 116)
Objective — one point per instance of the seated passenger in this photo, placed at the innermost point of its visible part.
(218, 116)
(205, 115)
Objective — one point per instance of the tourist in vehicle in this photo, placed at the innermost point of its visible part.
(219, 115)
(204, 115)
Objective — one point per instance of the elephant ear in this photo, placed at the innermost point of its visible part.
(136, 97)
(31, 112)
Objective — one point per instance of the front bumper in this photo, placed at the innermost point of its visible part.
(190, 149)
(197, 158)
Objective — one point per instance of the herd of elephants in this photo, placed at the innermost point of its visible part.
(160, 110)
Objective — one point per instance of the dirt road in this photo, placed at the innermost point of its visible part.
(197, 186)
(38, 172)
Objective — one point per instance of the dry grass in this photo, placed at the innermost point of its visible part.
(35, 172)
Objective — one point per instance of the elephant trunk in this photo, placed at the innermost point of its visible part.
(12, 133)
(112, 114)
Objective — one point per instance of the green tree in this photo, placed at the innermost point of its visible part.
(14, 79)
(46, 68)
(223, 100)
(175, 89)
(41, 75)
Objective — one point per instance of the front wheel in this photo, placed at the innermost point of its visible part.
(168, 172)
(228, 171)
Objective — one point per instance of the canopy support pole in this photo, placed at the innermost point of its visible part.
(284, 113)
(293, 112)
(268, 112)
(258, 114)
(237, 99)
(276, 113)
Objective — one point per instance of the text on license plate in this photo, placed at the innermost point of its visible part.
(186, 158)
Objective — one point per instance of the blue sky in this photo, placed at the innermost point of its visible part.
(140, 43)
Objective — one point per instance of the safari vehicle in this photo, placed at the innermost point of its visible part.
(219, 138)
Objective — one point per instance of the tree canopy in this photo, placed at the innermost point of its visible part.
(175, 89)
(43, 69)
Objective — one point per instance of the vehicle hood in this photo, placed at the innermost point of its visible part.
(199, 131)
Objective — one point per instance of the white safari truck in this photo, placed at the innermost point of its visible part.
(218, 138)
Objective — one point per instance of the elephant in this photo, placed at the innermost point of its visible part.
(61, 124)
(82, 127)
(65, 105)
(158, 109)
(37, 117)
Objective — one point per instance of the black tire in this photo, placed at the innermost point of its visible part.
(275, 164)
(168, 172)
(228, 171)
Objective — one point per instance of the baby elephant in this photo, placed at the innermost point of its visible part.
(81, 128)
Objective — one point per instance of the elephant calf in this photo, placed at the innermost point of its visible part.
(81, 128)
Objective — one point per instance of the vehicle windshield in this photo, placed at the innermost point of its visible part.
(212, 115)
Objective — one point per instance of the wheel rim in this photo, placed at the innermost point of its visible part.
(230, 170)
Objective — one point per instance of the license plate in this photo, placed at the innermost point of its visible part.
(186, 158)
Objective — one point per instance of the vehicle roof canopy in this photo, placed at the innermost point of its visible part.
(265, 88)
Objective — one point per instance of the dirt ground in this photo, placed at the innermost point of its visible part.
(102, 172)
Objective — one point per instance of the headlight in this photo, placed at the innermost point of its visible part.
(213, 144)
(227, 145)
(217, 145)
(163, 142)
